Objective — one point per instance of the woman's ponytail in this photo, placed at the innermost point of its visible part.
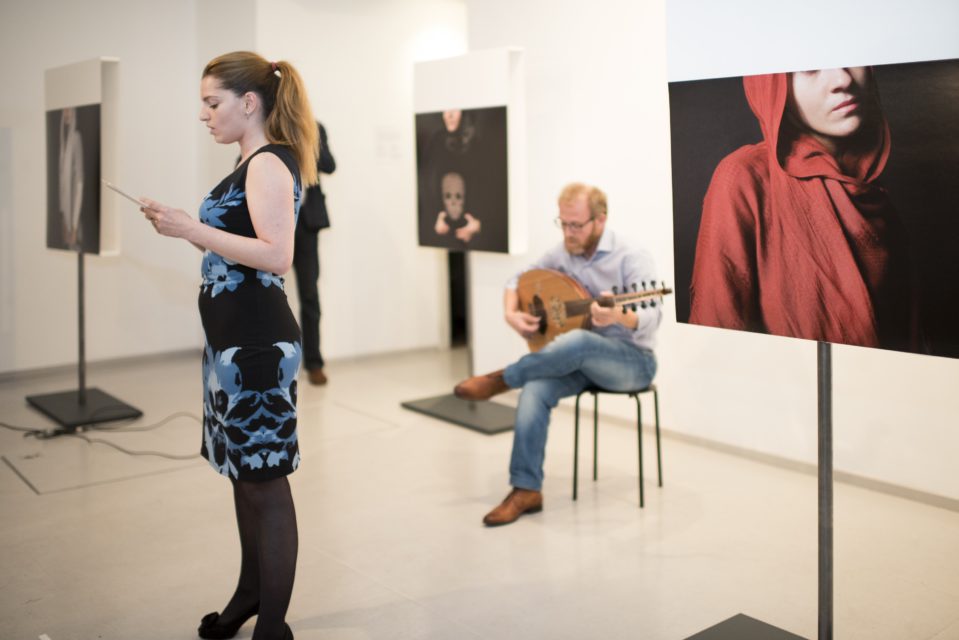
(288, 119)
(291, 122)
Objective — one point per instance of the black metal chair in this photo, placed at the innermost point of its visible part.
(595, 391)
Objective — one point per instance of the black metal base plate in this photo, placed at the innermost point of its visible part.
(65, 407)
(742, 627)
(485, 417)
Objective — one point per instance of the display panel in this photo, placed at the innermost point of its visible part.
(462, 179)
(786, 225)
(73, 178)
(81, 116)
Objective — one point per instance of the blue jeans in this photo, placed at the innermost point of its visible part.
(566, 366)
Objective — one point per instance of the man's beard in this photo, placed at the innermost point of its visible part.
(586, 246)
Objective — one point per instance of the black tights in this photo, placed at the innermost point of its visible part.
(266, 521)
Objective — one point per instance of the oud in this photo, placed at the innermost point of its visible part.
(562, 304)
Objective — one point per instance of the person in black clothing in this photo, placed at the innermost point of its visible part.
(306, 263)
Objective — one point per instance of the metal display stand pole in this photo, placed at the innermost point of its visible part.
(824, 361)
(484, 416)
(76, 408)
(81, 331)
(742, 627)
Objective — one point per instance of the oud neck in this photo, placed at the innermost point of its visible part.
(580, 307)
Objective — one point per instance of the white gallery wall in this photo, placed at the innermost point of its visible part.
(357, 59)
(379, 291)
(142, 301)
(598, 110)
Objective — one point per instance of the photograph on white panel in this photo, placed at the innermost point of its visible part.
(73, 178)
(819, 204)
(462, 179)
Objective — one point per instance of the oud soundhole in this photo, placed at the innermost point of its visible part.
(538, 309)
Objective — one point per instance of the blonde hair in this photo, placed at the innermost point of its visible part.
(288, 119)
(594, 197)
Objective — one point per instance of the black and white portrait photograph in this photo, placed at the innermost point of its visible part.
(462, 179)
(73, 178)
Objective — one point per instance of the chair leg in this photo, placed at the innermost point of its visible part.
(576, 448)
(639, 439)
(595, 432)
(659, 454)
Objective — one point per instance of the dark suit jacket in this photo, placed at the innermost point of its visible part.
(313, 213)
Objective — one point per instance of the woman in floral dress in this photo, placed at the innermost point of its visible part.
(252, 354)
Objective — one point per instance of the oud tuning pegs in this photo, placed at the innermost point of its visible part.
(615, 290)
(643, 304)
(634, 306)
(652, 284)
(644, 285)
(625, 308)
(652, 303)
(634, 287)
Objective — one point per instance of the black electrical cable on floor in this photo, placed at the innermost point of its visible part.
(42, 434)
(129, 452)
(13, 427)
(149, 427)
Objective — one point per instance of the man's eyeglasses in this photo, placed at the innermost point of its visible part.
(572, 226)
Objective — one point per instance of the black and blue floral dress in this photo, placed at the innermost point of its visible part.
(252, 352)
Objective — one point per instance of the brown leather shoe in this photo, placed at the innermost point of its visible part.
(481, 387)
(316, 376)
(518, 502)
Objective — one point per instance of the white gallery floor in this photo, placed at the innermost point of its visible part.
(98, 544)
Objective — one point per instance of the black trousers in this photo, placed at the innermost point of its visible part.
(306, 265)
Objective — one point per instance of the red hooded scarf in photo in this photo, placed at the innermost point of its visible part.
(795, 242)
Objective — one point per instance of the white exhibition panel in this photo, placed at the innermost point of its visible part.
(708, 39)
(73, 85)
(7, 238)
(109, 156)
(471, 81)
(93, 82)
(489, 78)
(893, 414)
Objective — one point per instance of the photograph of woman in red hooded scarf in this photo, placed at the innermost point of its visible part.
(800, 234)
(797, 236)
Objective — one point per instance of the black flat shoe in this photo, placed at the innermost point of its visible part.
(211, 629)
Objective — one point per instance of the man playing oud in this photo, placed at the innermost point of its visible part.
(615, 353)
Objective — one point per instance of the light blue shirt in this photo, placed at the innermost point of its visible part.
(613, 264)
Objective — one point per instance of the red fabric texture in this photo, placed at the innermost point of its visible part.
(795, 242)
